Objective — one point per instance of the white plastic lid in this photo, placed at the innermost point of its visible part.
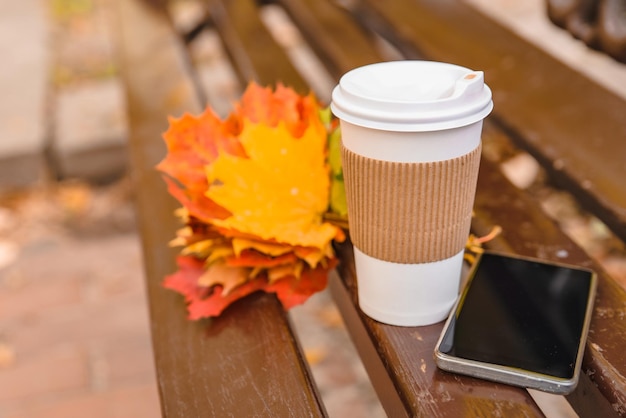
(412, 96)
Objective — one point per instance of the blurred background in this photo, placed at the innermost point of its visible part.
(74, 336)
(74, 333)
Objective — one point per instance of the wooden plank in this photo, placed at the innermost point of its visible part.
(255, 54)
(573, 126)
(334, 35)
(246, 362)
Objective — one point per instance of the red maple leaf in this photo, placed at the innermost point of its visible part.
(252, 258)
(208, 302)
(204, 301)
(215, 303)
(292, 291)
(198, 205)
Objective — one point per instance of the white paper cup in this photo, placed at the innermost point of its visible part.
(411, 148)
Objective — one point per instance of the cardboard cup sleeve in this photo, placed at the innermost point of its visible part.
(410, 212)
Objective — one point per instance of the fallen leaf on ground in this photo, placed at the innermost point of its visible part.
(7, 355)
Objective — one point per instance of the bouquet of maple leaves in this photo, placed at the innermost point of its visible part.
(255, 189)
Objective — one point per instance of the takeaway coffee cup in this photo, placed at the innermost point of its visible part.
(411, 150)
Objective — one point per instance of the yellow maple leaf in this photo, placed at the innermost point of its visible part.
(228, 277)
(240, 244)
(280, 191)
(280, 272)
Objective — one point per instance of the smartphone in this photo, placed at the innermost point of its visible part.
(520, 321)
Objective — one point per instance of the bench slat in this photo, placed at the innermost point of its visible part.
(247, 361)
(528, 231)
(338, 40)
(255, 54)
(569, 123)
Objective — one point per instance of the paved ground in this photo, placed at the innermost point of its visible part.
(74, 336)
(73, 321)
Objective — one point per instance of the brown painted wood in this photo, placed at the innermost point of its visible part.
(573, 126)
(254, 53)
(339, 41)
(247, 362)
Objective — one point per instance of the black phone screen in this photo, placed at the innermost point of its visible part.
(522, 314)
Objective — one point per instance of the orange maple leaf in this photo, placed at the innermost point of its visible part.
(262, 105)
(196, 202)
(193, 142)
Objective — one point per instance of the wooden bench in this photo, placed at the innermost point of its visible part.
(573, 127)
